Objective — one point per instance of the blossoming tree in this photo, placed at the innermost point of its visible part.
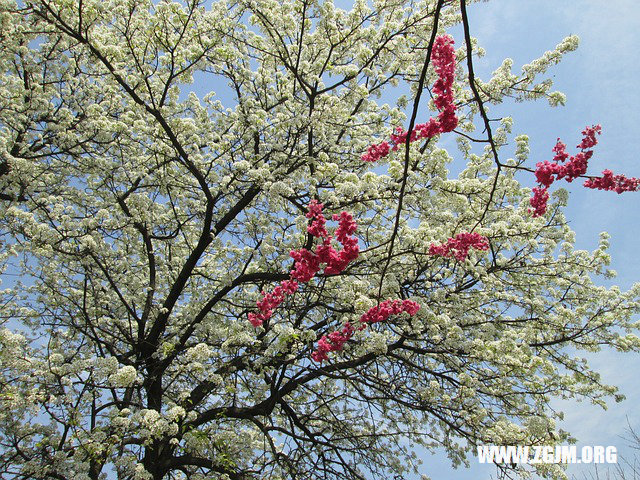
(285, 282)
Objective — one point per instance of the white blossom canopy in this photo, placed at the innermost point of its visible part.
(140, 224)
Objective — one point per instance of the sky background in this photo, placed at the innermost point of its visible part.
(600, 80)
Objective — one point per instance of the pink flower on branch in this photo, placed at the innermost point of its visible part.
(317, 227)
(589, 140)
(458, 246)
(335, 341)
(547, 172)
(332, 342)
(443, 57)
(387, 308)
(539, 201)
(270, 301)
(308, 263)
(560, 151)
(614, 183)
(376, 152)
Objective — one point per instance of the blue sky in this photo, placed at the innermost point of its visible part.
(600, 80)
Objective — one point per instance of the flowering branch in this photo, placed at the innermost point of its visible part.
(614, 183)
(575, 167)
(444, 59)
(547, 172)
(334, 341)
(308, 264)
(458, 246)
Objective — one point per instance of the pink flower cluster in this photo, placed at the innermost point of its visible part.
(458, 246)
(443, 56)
(388, 308)
(539, 201)
(307, 264)
(547, 172)
(271, 301)
(376, 152)
(334, 341)
(614, 183)
(317, 227)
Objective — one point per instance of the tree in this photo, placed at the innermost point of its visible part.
(160, 328)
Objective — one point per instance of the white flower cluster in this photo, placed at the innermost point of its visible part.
(124, 377)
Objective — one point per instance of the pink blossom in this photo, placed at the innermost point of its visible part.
(271, 301)
(334, 341)
(443, 57)
(539, 201)
(308, 263)
(547, 172)
(560, 151)
(376, 152)
(589, 139)
(575, 167)
(387, 308)
(615, 183)
(317, 228)
(458, 246)
(429, 129)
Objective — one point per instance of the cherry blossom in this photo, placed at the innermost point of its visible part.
(444, 59)
(458, 247)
